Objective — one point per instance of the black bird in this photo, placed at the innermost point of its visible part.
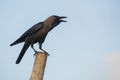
(37, 33)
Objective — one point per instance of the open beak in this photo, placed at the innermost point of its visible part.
(62, 17)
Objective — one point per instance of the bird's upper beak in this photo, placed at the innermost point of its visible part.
(62, 17)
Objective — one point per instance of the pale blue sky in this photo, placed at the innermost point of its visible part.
(79, 49)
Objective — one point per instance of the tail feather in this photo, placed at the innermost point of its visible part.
(25, 47)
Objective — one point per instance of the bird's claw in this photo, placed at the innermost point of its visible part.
(36, 52)
(46, 53)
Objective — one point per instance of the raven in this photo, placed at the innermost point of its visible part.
(37, 33)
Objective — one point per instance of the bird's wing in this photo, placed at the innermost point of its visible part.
(32, 30)
(29, 32)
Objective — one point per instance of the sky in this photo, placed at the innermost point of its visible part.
(87, 47)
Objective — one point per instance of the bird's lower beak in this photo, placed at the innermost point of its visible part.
(62, 17)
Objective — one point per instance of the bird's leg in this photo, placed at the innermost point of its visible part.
(32, 46)
(40, 46)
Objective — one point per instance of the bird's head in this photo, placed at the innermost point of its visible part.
(54, 20)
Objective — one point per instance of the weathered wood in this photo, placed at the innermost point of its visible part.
(39, 66)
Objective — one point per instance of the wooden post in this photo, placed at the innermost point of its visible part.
(39, 66)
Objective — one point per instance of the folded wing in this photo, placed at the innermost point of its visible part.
(29, 32)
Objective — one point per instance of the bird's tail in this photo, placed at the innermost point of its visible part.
(25, 47)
